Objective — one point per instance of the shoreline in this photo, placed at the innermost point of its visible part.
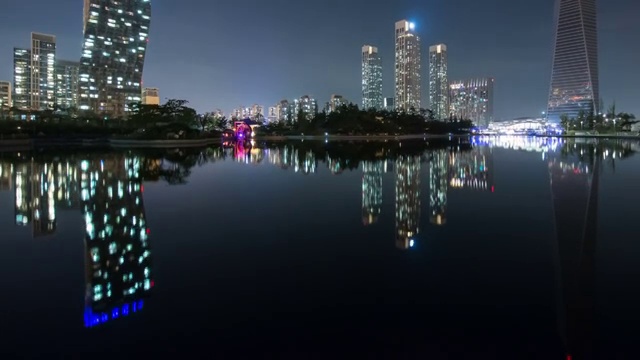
(31, 143)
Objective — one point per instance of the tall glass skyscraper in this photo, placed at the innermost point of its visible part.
(438, 81)
(115, 43)
(408, 67)
(574, 78)
(472, 99)
(67, 84)
(371, 78)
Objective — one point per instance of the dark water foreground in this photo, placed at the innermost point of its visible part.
(506, 247)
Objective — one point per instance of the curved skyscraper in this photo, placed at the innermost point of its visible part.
(574, 78)
(115, 43)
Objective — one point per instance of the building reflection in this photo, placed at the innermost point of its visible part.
(407, 170)
(438, 186)
(372, 172)
(575, 191)
(118, 255)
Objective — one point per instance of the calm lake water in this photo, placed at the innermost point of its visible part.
(505, 247)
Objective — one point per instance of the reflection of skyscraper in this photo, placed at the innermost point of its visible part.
(118, 263)
(43, 201)
(575, 202)
(574, 78)
(407, 200)
(472, 169)
(22, 193)
(371, 191)
(438, 186)
(6, 176)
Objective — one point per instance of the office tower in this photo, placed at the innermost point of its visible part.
(472, 99)
(438, 81)
(34, 74)
(407, 200)
(118, 254)
(438, 186)
(150, 96)
(5, 99)
(116, 34)
(371, 78)
(67, 75)
(389, 104)
(574, 79)
(371, 191)
(306, 106)
(408, 67)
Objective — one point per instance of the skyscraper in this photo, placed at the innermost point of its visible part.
(472, 99)
(574, 77)
(67, 73)
(438, 81)
(371, 78)
(408, 68)
(34, 74)
(115, 43)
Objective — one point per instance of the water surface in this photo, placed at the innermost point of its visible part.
(506, 247)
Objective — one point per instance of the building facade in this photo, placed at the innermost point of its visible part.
(408, 67)
(438, 81)
(151, 96)
(67, 75)
(34, 74)
(472, 99)
(5, 96)
(574, 78)
(305, 105)
(335, 103)
(371, 78)
(389, 104)
(116, 34)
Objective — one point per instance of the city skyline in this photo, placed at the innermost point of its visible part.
(504, 61)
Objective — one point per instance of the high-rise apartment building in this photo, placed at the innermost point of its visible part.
(335, 103)
(67, 75)
(574, 78)
(389, 104)
(371, 78)
(116, 34)
(408, 67)
(472, 99)
(307, 105)
(5, 95)
(34, 74)
(438, 81)
(151, 96)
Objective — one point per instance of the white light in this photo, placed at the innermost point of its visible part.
(411, 243)
(412, 26)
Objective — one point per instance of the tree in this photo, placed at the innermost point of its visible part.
(221, 123)
(204, 121)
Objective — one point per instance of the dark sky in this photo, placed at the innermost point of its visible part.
(226, 53)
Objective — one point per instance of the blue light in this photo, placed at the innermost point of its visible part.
(92, 319)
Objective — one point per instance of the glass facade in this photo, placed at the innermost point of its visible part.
(574, 78)
(116, 34)
(67, 74)
(371, 78)
(438, 81)
(472, 99)
(34, 74)
(407, 67)
(5, 96)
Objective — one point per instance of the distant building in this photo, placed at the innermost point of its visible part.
(472, 99)
(407, 67)
(284, 111)
(438, 81)
(574, 79)
(116, 34)
(150, 96)
(371, 78)
(335, 103)
(67, 75)
(257, 112)
(307, 105)
(34, 74)
(389, 104)
(5, 95)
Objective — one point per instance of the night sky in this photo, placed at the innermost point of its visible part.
(222, 54)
